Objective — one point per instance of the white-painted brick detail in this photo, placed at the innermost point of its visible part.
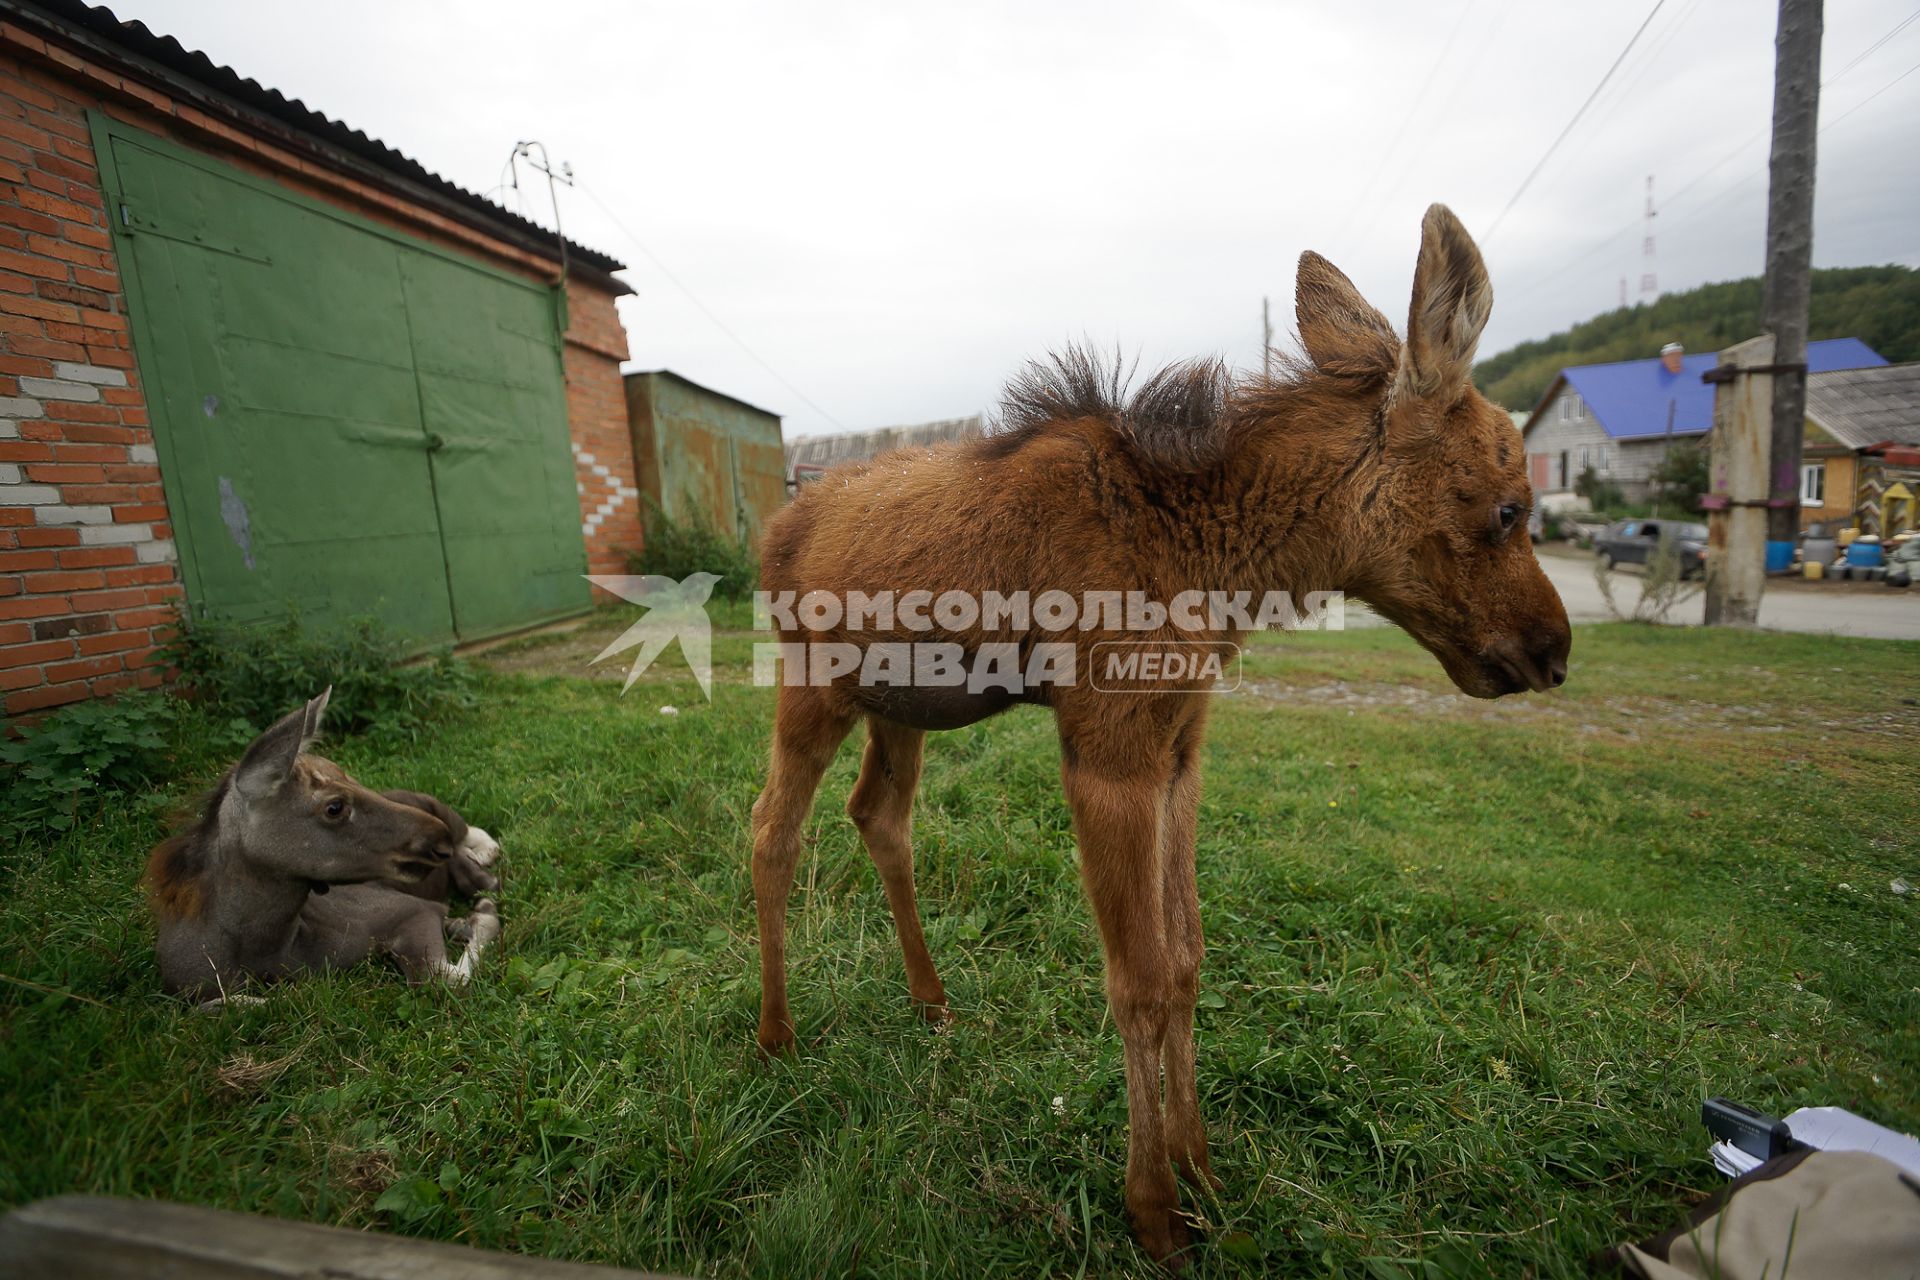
(103, 535)
(32, 495)
(89, 373)
(20, 407)
(142, 453)
(9, 429)
(9, 473)
(58, 389)
(76, 515)
(158, 552)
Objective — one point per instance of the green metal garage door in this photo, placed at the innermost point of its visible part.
(349, 421)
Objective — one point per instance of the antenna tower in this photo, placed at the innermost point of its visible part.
(1649, 282)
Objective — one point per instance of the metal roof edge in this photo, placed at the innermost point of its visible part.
(99, 32)
(699, 386)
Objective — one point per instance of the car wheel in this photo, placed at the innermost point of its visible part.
(1606, 561)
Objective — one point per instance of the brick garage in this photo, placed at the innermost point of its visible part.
(90, 568)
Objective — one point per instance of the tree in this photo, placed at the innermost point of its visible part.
(1682, 478)
(1878, 305)
(1601, 495)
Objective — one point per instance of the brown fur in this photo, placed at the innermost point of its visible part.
(1369, 465)
(172, 881)
(176, 869)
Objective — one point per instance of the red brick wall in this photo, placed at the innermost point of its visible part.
(87, 562)
(87, 568)
(602, 445)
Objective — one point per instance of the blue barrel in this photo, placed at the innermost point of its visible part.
(1779, 557)
(1866, 555)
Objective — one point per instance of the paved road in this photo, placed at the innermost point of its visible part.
(1829, 608)
(1823, 609)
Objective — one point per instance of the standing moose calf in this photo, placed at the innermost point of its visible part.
(295, 867)
(1371, 466)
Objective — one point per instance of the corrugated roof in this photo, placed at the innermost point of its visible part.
(1861, 408)
(825, 451)
(92, 24)
(1632, 398)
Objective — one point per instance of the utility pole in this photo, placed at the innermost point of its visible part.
(1266, 339)
(1760, 400)
(1796, 119)
(1737, 507)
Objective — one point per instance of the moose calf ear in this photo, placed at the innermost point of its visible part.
(1452, 298)
(1339, 328)
(313, 712)
(269, 760)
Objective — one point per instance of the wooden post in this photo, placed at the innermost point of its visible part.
(1737, 507)
(1783, 308)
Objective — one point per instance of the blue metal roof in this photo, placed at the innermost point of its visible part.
(1631, 399)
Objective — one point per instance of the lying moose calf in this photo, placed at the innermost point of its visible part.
(293, 866)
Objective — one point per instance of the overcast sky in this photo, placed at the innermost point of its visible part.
(893, 205)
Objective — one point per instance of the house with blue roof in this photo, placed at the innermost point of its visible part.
(1618, 420)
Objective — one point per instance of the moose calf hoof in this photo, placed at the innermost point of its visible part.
(776, 1040)
(480, 846)
(1163, 1234)
(484, 924)
(935, 1012)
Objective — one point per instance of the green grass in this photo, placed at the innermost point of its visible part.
(1471, 968)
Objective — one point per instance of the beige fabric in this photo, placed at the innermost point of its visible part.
(1845, 1215)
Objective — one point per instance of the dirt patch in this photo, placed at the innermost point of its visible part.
(1629, 717)
(565, 653)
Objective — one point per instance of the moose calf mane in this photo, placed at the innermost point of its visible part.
(176, 868)
(1177, 421)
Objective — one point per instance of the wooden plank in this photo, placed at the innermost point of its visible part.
(106, 1238)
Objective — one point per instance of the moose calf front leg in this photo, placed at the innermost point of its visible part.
(1186, 1132)
(1117, 820)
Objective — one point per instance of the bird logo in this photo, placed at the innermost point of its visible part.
(674, 611)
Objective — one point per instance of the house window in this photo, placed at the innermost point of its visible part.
(1586, 459)
(1571, 407)
(1602, 464)
(1813, 485)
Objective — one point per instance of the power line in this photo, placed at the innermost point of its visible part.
(1528, 181)
(1865, 53)
(1434, 119)
(1680, 194)
(1408, 117)
(705, 310)
(1540, 281)
(1656, 48)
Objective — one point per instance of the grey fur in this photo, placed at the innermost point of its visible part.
(294, 867)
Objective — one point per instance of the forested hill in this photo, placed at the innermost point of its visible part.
(1878, 305)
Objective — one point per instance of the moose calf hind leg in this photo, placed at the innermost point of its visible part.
(882, 808)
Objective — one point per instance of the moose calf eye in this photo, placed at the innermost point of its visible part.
(336, 809)
(1505, 516)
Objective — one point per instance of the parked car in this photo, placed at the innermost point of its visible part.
(1581, 527)
(1634, 541)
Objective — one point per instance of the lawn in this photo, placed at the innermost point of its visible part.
(1471, 969)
